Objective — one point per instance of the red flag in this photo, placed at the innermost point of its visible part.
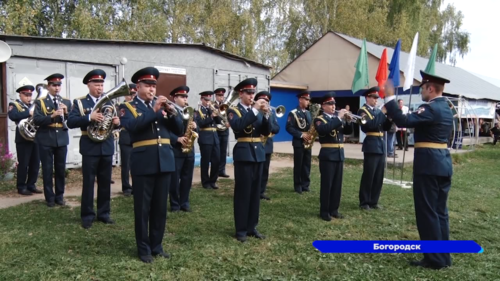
(382, 73)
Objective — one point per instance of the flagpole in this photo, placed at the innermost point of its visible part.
(394, 156)
(405, 144)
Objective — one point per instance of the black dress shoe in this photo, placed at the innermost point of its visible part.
(224, 175)
(107, 221)
(162, 255)
(257, 235)
(51, 204)
(298, 191)
(60, 202)
(376, 207)
(365, 207)
(326, 217)
(36, 190)
(188, 210)
(337, 216)
(242, 239)
(86, 224)
(305, 189)
(215, 186)
(207, 186)
(146, 259)
(25, 192)
(127, 192)
(265, 197)
(425, 264)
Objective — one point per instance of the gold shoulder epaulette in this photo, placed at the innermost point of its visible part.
(236, 110)
(131, 108)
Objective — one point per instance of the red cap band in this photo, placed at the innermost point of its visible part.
(248, 87)
(328, 100)
(146, 77)
(56, 79)
(96, 77)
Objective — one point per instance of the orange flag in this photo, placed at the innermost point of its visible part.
(382, 73)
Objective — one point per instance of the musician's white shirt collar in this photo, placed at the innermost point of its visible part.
(94, 99)
(143, 101)
(51, 96)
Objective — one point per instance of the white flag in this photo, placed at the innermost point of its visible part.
(410, 64)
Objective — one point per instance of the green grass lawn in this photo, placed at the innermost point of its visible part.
(38, 243)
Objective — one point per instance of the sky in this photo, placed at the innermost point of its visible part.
(481, 21)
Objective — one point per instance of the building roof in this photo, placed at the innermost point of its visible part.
(190, 45)
(462, 82)
(287, 85)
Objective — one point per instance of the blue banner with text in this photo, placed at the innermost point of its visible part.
(341, 246)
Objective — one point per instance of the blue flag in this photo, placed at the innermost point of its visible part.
(394, 66)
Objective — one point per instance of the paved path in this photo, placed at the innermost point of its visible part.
(14, 199)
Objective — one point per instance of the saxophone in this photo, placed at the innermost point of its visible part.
(190, 134)
(314, 108)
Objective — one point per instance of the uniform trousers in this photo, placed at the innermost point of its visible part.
(331, 186)
(301, 168)
(53, 159)
(247, 179)
(182, 180)
(223, 140)
(430, 195)
(209, 157)
(265, 174)
(150, 211)
(29, 165)
(125, 152)
(101, 167)
(372, 179)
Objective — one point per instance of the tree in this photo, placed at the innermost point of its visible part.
(273, 32)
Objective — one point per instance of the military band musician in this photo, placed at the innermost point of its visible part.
(248, 124)
(182, 179)
(268, 145)
(51, 113)
(97, 157)
(331, 128)
(298, 125)
(26, 149)
(126, 149)
(150, 124)
(207, 119)
(222, 132)
(373, 149)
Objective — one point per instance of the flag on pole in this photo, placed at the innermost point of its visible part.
(381, 76)
(361, 79)
(410, 64)
(431, 65)
(394, 66)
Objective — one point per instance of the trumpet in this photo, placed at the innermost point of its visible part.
(170, 110)
(349, 117)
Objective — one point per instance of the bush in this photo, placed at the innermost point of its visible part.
(6, 160)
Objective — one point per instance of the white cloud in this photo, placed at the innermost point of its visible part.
(480, 20)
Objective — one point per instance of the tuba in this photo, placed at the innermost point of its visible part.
(100, 131)
(314, 108)
(27, 128)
